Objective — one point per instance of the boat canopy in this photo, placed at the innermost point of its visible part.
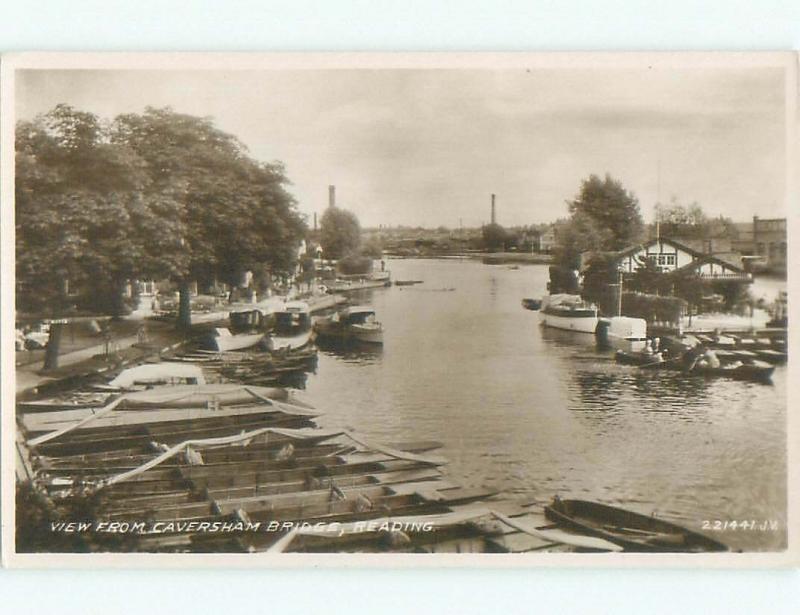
(357, 309)
(300, 307)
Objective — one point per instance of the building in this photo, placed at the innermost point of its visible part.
(762, 243)
(669, 255)
(547, 240)
(769, 242)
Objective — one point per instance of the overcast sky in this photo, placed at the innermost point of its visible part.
(427, 148)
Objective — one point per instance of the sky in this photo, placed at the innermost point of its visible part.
(428, 147)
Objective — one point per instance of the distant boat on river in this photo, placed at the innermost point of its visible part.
(568, 312)
(532, 304)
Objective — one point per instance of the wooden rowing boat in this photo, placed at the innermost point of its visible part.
(752, 372)
(631, 530)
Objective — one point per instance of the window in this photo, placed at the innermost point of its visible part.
(670, 259)
(662, 259)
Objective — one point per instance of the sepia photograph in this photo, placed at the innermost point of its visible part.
(398, 306)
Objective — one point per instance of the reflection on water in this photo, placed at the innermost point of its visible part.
(351, 351)
(535, 412)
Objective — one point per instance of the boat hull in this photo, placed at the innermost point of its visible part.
(578, 324)
(367, 335)
(348, 334)
(631, 530)
(289, 342)
(241, 341)
(753, 373)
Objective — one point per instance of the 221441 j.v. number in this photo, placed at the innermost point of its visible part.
(718, 525)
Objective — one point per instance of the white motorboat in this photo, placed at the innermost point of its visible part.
(293, 327)
(356, 323)
(568, 312)
(222, 340)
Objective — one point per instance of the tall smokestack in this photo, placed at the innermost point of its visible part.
(494, 216)
(331, 196)
(315, 221)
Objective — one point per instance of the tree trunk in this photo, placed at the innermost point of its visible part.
(53, 343)
(184, 307)
(117, 300)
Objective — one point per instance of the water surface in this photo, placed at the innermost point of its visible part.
(533, 412)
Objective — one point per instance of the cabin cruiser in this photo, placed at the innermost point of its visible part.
(568, 312)
(293, 327)
(356, 323)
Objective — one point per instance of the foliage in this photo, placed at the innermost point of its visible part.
(600, 282)
(648, 278)
(653, 308)
(35, 513)
(575, 236)
(612, 210)
(562, 280)
(373, 247)
(158, 195)
(736, 296)
(690, 222)
(340, 233)
(354, 265)
(689, 286)
(494, 237)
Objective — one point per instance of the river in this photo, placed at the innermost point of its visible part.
(533, 412)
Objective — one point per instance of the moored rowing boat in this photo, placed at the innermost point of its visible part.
(631, 530)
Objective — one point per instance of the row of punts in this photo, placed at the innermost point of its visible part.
(185, 460)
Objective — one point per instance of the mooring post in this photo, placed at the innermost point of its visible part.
(53, 344)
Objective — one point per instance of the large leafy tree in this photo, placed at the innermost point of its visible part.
(494, 237)
(157, 194)
(690, 222)
(611, 209)
(340, 233)
(78, 211)
(576, 235)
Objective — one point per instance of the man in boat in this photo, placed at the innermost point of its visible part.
(708, 358)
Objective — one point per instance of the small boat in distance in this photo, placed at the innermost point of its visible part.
(407, 282)
(568, 312)
(293, 327)
(356, 323)
(531, 304)
(631, 530)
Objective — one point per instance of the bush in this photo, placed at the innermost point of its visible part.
(355, 265)
(653, 308)
(35, 513)
(562, 280)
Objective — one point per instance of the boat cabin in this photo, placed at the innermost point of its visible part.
(295, 317)
(247, 320)
(356, 315)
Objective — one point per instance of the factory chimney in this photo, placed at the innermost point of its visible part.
(494, 214)
(331, 196)
(315, 221)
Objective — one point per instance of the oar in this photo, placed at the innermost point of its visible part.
(660, 362)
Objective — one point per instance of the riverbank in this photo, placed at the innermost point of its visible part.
(505, 258)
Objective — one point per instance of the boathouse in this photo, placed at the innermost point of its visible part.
(669, 256)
